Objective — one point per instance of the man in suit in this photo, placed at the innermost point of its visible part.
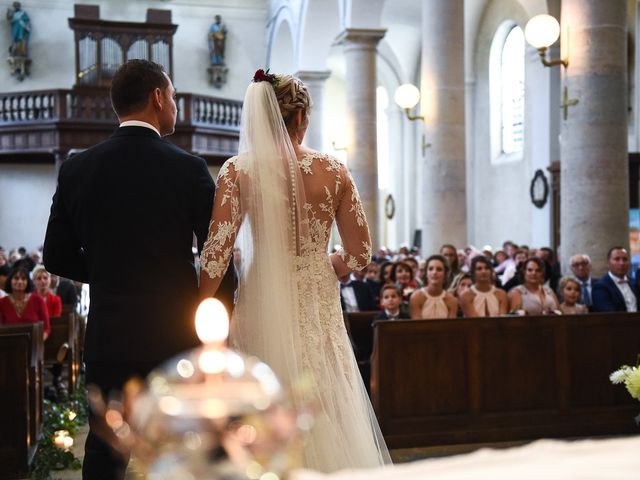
(355, 295)
(614, 292)
(581, 269)
(133, 189)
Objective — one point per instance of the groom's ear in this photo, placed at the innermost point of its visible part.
(155, 98)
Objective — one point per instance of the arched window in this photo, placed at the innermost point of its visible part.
(507, 93)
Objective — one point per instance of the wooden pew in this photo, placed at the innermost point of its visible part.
(64, 330)
(360, 330)
(21, 354)
(456, 381)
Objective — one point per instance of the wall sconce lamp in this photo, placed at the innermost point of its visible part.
(541, 32)
(407, 96)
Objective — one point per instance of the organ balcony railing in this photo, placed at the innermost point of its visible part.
(48, 124)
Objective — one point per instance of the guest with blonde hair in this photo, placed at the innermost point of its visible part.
(570, 290)
(42, 281)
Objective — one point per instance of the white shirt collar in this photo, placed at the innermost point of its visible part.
(139, 123)
(618, 279)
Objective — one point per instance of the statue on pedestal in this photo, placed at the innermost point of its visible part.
(20, 33)
(217, 40)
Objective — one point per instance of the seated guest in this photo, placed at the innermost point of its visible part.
(499, 257)
(460, 284)
(402, 275)
(483, 299)
(533, 297)
(391, 303)
(355, 296)
(581, 269)
(433, 301)
(614, 292)
(4, 273)
(450, 252)
(552, 268)
(385, 272)
(511, 276)
(371, 275)
(570, 291)
(20, 305)
(415, 265)
(42, 280)
(66, 290)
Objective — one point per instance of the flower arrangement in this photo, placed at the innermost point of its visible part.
(262, 76)
(630, 376)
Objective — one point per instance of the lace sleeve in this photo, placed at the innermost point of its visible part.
(225, 222)
(353, 228)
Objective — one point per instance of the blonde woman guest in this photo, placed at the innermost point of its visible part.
(570, 290)
(433, 301)
(460, 284)
(532, 297)
(483, 299)
(42, 280)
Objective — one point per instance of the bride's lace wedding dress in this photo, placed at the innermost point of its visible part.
(313, 343)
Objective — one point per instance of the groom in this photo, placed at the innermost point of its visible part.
(135, 192)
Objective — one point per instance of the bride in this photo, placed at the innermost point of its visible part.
(276, 202)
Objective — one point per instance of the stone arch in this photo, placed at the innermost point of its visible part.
(282, 49)
(320, 24)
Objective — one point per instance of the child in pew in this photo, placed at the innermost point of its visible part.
(391, 303)
(570, 291)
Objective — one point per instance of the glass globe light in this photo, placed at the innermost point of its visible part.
(542, 31)
(407, 95)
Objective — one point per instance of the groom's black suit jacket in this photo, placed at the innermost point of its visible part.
(123, 219)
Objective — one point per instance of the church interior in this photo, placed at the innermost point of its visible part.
(464, 123)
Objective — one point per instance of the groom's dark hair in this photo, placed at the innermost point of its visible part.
(133, 82)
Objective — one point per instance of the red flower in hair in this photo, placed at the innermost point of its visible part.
(262, 76)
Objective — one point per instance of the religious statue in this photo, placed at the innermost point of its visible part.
(217, 40)
(20, 32)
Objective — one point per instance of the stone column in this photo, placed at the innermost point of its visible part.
(315, 82)
(443, 192)
(594, 166)
(360, 55)
(397, 171)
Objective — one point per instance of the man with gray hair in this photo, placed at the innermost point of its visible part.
(581, 269)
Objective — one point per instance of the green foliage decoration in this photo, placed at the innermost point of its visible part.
(59, 416)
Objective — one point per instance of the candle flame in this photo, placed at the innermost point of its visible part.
(212, 321)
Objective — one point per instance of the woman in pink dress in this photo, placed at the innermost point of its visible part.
(433, 301)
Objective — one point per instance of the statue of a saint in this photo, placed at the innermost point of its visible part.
(20, 30)
(217, 38)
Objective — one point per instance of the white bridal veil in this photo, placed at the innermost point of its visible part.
(271, 237)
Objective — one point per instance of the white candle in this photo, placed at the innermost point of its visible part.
(59, 438)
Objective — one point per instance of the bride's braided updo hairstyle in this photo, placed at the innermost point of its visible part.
(292, 95)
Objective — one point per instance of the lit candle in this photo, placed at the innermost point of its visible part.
(59, 438)
(68, 442)
(212, 322)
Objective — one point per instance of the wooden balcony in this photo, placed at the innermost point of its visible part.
(44, 126)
